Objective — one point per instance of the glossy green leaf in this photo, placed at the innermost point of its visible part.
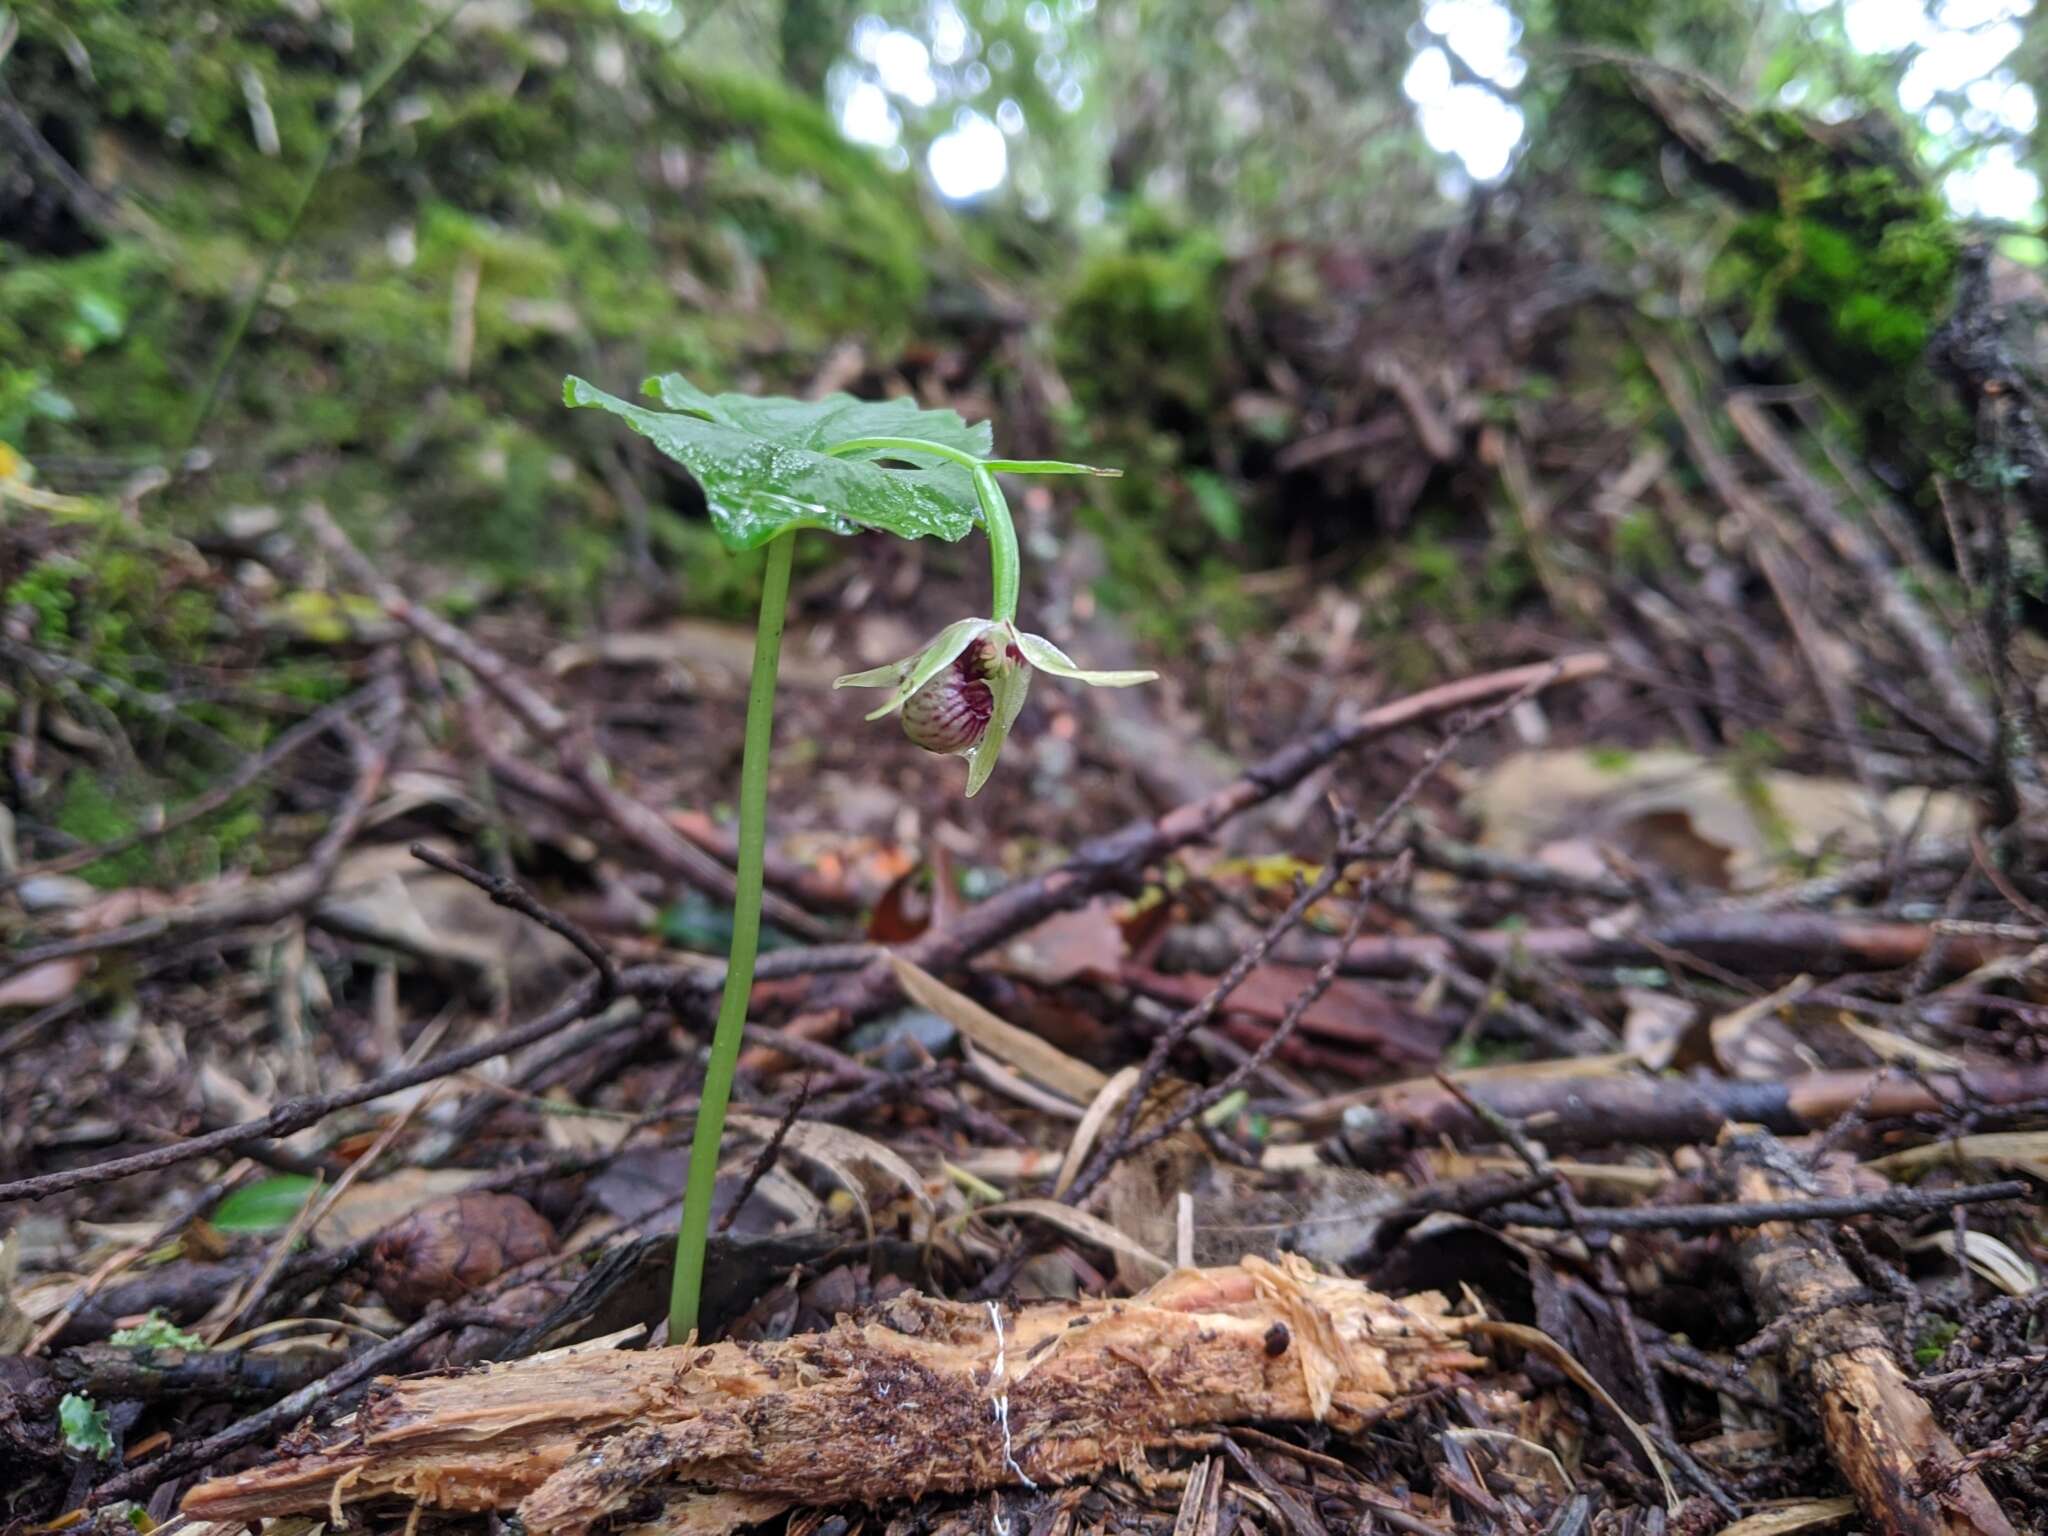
(265, 1205)
(764, 471)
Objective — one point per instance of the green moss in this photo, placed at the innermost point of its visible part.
(613, 208)
(1141, 331)
(1141, 339)
(1935, 1337)
(1851, 259)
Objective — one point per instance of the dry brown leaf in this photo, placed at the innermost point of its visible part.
(2023, 1151)
(1019, 1048)
(1989, 1257)
(1536, 1340)
(1707, 821)
(1796, 1515)
(1092, 1121)
(41, 985)
(863, 1165)
(15, 1328)
(1753, 1043)
(1656, 1026)
(1889, 1046)
(1089, 1229)
(1086, 942)
(369, 1205)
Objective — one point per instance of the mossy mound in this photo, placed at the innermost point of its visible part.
(542, 188)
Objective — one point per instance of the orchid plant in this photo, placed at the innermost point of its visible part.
(769, 468)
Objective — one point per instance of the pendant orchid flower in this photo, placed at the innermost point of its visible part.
(960, 693)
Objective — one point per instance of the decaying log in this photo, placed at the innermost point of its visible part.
(919, 1395)
(1880, 1432)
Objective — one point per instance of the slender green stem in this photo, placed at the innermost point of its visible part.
(746, 940)
(1005, 565)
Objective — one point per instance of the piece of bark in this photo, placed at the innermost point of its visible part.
(919, 1395)
(1880, 1432)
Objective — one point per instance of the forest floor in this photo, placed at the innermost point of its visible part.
(1505, 1119)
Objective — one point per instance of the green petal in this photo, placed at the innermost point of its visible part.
(920, 667)
(1047, 657)
(1011, 685)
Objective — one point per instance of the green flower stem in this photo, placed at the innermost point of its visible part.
(691, 1236)
(1005, 565)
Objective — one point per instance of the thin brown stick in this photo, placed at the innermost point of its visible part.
(295, 1114)
(1351, 845)
(771, 1150)
(287, 1411)
(1718, 1218)
(580, 761)
(1104, 861)
(1913, 624)
(506, 892)
(264, 901)
(1608, 1110)
(252, 768)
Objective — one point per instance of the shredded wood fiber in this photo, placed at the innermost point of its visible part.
(919, 1395)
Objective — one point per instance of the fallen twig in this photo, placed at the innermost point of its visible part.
(1102, 862)
(1601, 1111)
(287, 743)
(581, 763)
(1879, 1431)
(1739, 1213)
(510, 893)
(1743, 941)
(262, 901)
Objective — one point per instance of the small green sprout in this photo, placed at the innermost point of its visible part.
(156, 1332)
(769, 467)
(85, 1426)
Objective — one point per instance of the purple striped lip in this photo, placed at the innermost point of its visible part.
(950, 713)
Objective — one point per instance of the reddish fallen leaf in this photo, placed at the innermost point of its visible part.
(1305, 1054)
(1350, 1011)
(1068, 946)
(922, 897)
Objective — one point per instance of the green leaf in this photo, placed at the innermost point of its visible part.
(1217, 504)
(85, 1427)
(764, 472)
(155, 1332)
(265, 1205)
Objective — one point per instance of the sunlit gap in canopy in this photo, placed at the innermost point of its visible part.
(897, 79)
(1958, 82)
(1464, 68)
